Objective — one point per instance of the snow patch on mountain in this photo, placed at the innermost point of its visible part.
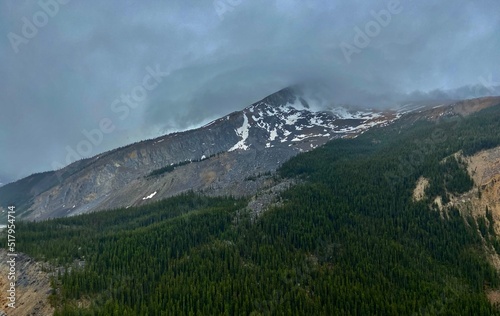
(243, 133)
(273, 135)
(290, 121)
(150, 196)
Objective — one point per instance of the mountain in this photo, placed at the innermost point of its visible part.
(231, 156)
(215, 159)
(400, 220)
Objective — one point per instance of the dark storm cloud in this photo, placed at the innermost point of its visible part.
(221, 56)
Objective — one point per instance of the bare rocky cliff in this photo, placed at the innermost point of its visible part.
(32, 288)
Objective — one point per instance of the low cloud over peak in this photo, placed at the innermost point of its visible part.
(64, 69)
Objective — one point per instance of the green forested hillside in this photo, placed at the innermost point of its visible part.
(349, 240)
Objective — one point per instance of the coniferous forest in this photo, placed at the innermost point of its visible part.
(347, 240)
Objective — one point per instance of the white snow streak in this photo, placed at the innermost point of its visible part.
(150, 196)
(243, 133)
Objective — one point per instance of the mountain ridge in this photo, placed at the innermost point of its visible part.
(224, 152)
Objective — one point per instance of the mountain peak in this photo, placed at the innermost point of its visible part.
(282, 97)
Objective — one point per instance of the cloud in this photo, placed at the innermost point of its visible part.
(91, 52)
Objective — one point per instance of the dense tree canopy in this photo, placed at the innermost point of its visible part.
(349, 240)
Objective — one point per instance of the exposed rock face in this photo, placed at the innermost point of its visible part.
(484, 168)
(419, 192)
(32, 288)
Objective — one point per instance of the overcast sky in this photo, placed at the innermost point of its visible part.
(80, 65)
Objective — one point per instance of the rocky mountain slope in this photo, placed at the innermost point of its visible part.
(484, 169)
(233, 155)
(32, 290)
